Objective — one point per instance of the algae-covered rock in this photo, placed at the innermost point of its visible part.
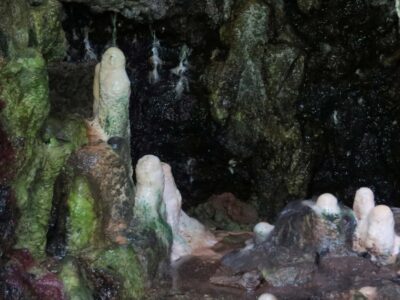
(24, 89)
(14, 27)
(76, 286)
(122, 263)
(34, 191)
(111, 186)
(82, 221)
(68, 128)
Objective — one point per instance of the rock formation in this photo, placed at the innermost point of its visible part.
(262, 231)
(189, 235)
(111, 90)
(381, 240)
(362, 206)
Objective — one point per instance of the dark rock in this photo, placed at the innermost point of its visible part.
(390, 291)
(226, 212)
(71, 88)
(145, 10)
(35, 2)
(300, 240)
(252, 96)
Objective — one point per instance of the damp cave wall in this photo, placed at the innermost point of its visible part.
(287, 99)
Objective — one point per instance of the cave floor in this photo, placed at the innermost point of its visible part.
(338, 277)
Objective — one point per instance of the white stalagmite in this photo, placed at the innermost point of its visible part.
(262, 230)
(381, 240)
(111, 91)
(363, 204)
(327, 204)
(189, 235)
(369, 292)
(149, 187)
(267, 296)
(149, 207)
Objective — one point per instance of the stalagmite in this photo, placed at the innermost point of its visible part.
(363, 203)
(369, 292)
(362, 206)
(267, 296)
(262, 231)
(149, 207)
(381, 240)
(327, 204)
(189, 235)
(111, 90)
(149, 188)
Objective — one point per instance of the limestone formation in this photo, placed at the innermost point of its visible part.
(189, 235)
(363, 204)
(262, 231)
(267, 296)
(112, 89)
(149, 207)
(381, 240)
(327, 204)
(369, 292)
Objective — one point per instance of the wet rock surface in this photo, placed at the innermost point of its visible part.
(280, 99)
(226, 212)
(330, 278)
(321, 78)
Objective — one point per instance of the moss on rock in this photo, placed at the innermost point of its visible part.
(82, 222)
(35, 193)
(24, 89)
(75, 285)
(122, 263)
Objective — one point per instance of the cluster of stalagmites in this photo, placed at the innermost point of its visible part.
(158, 202)
(157, 198)
(375, 230)
(283, 253)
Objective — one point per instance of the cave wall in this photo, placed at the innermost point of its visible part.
(288, 99)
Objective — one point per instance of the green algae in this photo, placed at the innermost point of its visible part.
(75, 286)
(82, 221)
(34, 193)
(123, 263)
(151, 219)
(24, 89)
